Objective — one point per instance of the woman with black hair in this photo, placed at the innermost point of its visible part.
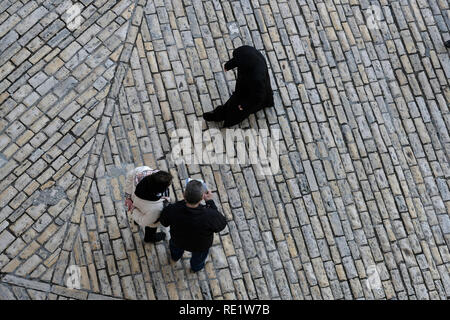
(252, 92)
(146, 194)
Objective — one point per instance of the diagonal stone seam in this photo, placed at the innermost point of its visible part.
(23, 205)
(95, 152)
(52, 289)
(84, 28)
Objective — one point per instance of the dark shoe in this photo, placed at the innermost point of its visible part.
(155, 237)
(159, 237)
(149, 234)
(173, 261)
(211, 116)
(447, 43)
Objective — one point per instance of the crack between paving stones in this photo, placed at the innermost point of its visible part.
(51, 286)
(85, 180)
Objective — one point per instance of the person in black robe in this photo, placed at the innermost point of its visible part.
(253, 91)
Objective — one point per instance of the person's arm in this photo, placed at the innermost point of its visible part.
(129, 189)
(208, 197)
(231, 64)
(210, 204)
(219, 222)
(164, 217)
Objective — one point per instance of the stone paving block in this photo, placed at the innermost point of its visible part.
(357, 153)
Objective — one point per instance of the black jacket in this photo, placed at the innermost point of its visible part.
(192, 229)
(253, 90)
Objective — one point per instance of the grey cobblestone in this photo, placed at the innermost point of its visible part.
(364, 121)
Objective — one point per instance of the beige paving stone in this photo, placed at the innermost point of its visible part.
(363, 117)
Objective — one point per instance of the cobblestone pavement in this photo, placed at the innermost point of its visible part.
(358, 211)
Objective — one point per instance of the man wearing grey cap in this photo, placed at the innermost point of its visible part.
(192, 224)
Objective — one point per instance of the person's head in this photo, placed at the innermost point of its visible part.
(246, 58)
(194, 192)
(154, 184)
(160, 181)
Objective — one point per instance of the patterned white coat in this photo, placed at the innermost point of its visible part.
(145, 213)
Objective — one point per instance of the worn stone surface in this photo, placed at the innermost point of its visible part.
(359, 209)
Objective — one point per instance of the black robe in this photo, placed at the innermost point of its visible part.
(253, 91)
